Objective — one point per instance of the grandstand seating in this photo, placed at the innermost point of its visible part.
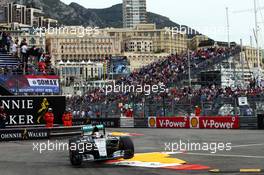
(163, 71)
(206, 65)
(7, 60)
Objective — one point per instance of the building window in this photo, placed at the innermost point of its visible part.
(32, 41)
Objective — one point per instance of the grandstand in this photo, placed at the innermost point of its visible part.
(8, 61)
(173, 72)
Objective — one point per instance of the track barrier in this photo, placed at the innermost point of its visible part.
(36, 132)
(126, 122)
(141, 122)
(202, 122)
(24, 134)
(107, 122)
(260, 121)
(248, 122)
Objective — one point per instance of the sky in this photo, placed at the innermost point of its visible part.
(206, 16)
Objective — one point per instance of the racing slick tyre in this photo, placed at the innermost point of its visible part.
(75, 156)
(127, 145)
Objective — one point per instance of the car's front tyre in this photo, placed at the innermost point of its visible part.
(75, 157)
(126, 144)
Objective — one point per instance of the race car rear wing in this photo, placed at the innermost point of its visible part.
(90, 128)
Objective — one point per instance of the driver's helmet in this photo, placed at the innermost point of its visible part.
(96, 132)
(97, 135)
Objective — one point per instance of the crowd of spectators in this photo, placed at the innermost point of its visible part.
(165, 72)
(212, 92)
(93, 103)
(168, 70)
(32, 60)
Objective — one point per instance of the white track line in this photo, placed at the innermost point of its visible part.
(225, 155)
(257, 144)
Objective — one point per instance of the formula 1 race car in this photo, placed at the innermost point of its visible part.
(94, 145)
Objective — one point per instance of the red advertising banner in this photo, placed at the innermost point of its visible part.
(172, 122)
(219, 122)
(203, 122)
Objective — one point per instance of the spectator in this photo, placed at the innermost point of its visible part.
(197, 111)
(83, 114)
(97, 113)
(90, 113)
(8, 42)
(4, 42)
(40, 52)
(74, 114)
(14, 49)
(24, 50)
(23, 42)
(129, 112)
(42, 67)
(33, 53)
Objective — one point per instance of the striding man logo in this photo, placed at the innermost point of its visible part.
(44, 108)
(25, 134)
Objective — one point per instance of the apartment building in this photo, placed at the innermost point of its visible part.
(74, 47)
(22, 15)
(134, 12)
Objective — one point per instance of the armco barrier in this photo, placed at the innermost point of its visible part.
(141, 122)
(203, 122)
(126, 122)
(108, 122)
(248, 122)
(65, 131)
(39, 132)
(260, 121)
(29, 126)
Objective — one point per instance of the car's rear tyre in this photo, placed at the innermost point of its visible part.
(75, 157)
(127, 145)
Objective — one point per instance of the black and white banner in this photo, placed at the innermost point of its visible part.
(24, 134)
(30, 110)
